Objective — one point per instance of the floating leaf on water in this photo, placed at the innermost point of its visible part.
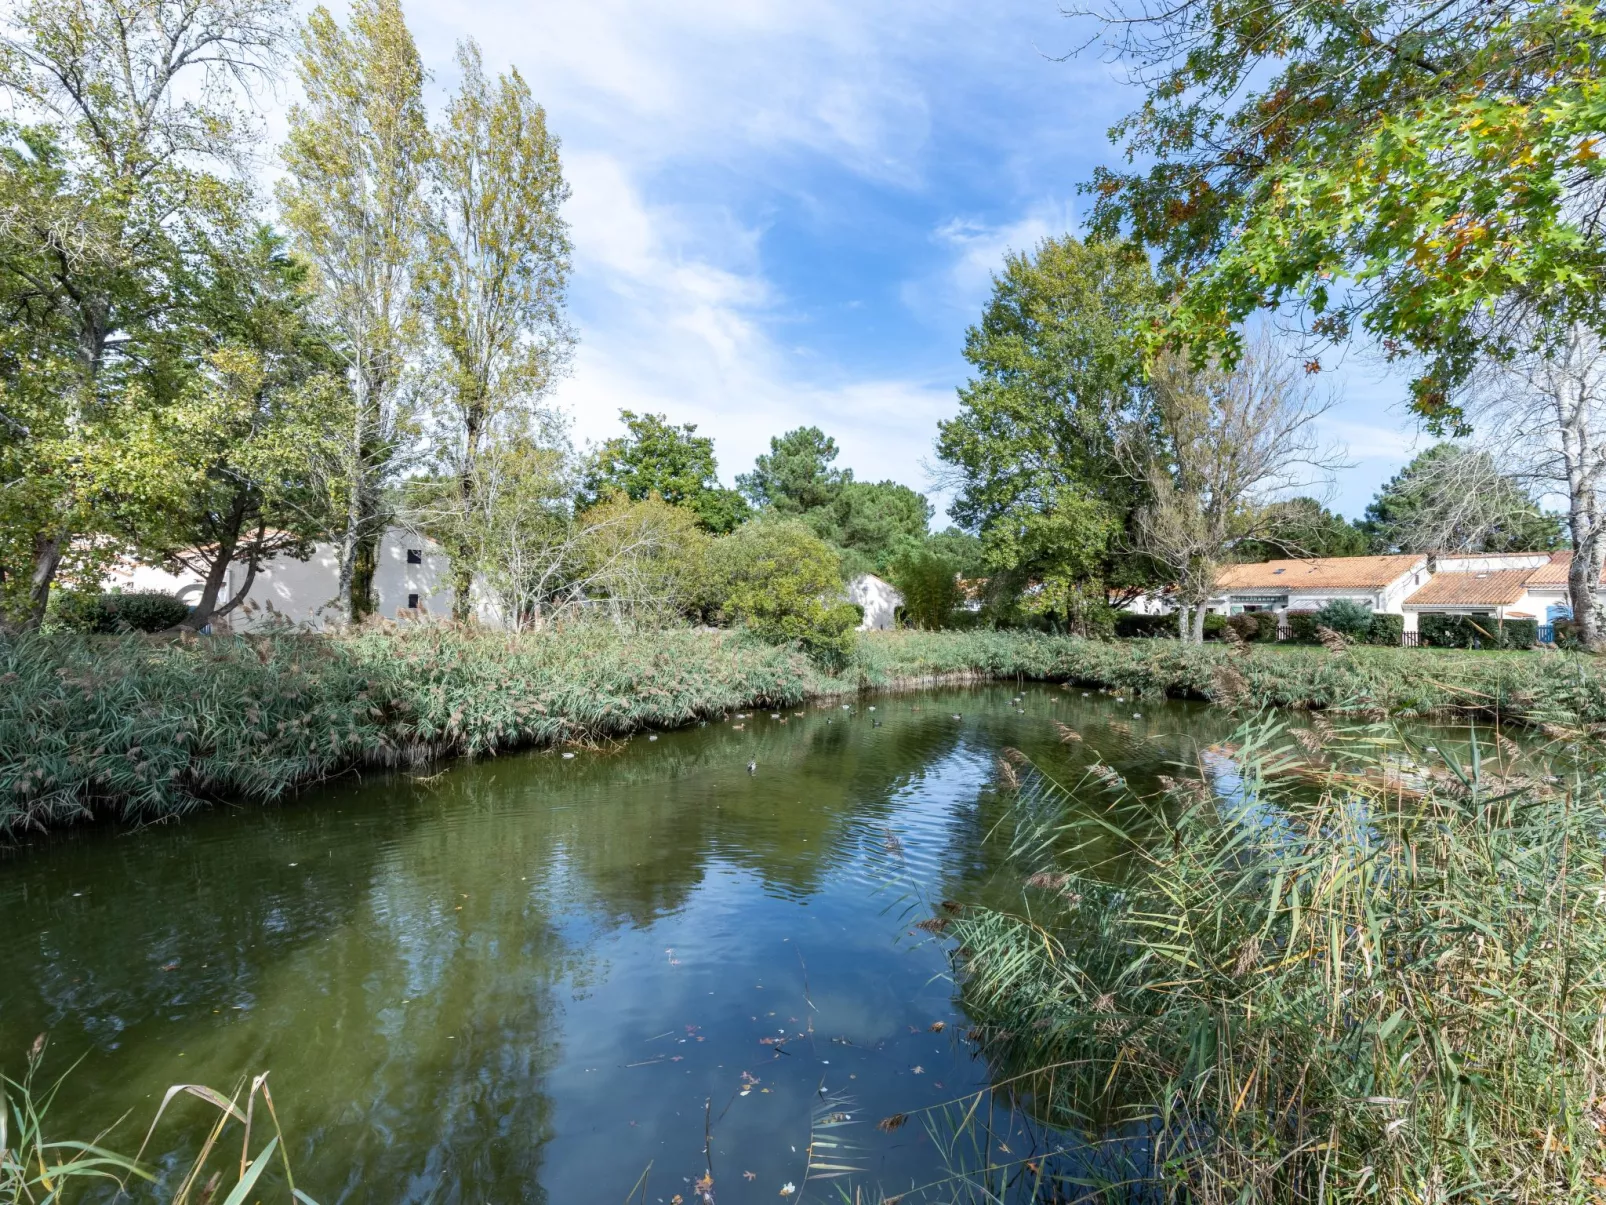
(933, 924)
(937, 1026)
(1048, 880)
(887, 1124)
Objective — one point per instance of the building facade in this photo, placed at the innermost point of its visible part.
(1497, 586)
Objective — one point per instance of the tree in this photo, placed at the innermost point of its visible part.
(673, 462)
(929, 584)
(797, 475)
(104, 198)
(1424, 170)
(1229, 440)
(494, 278)
(644, 561)
(1542, 416)
(238, 455)
(784, 583)
(1057, 382)
(1305, 528)
(871, 523)
(1455, 499)
(355, 157)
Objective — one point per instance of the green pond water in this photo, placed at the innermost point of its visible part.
(533, 978)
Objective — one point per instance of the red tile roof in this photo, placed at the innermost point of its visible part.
(1496, 588)
(1325, 573)
(1555, 573)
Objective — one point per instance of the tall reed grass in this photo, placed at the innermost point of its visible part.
(36, 1169)
(145, 728)
(1278, 985)
(149, 728)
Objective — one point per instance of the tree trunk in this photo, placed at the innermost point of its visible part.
(462, 587)
(1198, 623)
(46, 560)
(364, 563)
(1183, 626)
(218, 571)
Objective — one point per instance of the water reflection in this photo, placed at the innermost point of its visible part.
(528, 978)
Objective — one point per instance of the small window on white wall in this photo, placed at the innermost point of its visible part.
(412, 602)
(415, 556)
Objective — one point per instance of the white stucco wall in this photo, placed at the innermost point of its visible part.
(287, 590)
(880, 600)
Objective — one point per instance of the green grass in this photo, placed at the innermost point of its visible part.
(146, 728)
(1342, 994)
(1535, 687)
(143, 729)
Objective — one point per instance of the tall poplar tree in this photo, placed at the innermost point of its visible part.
(493, 287)
(356, 155)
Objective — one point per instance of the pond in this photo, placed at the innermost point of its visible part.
(542, 977)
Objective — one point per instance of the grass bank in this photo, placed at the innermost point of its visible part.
(1534, 687)
(1264, 992)
(142, 729)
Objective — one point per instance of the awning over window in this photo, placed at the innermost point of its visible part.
(1260, 600)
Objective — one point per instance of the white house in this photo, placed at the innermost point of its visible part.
(880, 600)
(1381, 583)
(412, 581)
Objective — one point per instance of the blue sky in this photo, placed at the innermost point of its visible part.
(787, 212)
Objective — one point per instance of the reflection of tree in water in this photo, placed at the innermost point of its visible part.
(641, 826)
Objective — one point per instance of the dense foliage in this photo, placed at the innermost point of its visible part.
(1293, 988)
(145, 728)
(657, 457)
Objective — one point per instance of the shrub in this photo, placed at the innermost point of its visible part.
(929, 584)
(781, 581)
(1214, 626)
(1346, 617)
(1519, 633)
(1565, 633)
(104, 614)
(1302, 626)
(1246, 625)
(1128, 624)
(1386, 629)
(1475, 631)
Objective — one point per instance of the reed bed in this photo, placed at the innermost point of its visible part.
(144, 729)
(1534, 687)
(37, 1169)
(1264, 990)
(141, 728)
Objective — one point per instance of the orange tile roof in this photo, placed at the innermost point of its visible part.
(1494, 589)
(1555, 573)
(1322, 573)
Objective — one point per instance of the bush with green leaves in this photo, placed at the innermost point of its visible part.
(1247, 625)
(1346, 617)
(105, 614)
(1129, 624)
(783, 583)
(1302, 627)
(929, 584)
(1386, 630)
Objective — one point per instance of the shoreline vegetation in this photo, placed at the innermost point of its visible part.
(1266, 992)
(147, 729)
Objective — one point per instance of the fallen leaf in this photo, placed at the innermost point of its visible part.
(937, 1026)
(887, 1124)
(918, 1070)
(749, 1175)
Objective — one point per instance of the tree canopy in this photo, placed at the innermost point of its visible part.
(656, 456)
(1057, 386)
(1453, 499)
(1424, 172)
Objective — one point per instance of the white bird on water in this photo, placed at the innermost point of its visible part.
(752, 767)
